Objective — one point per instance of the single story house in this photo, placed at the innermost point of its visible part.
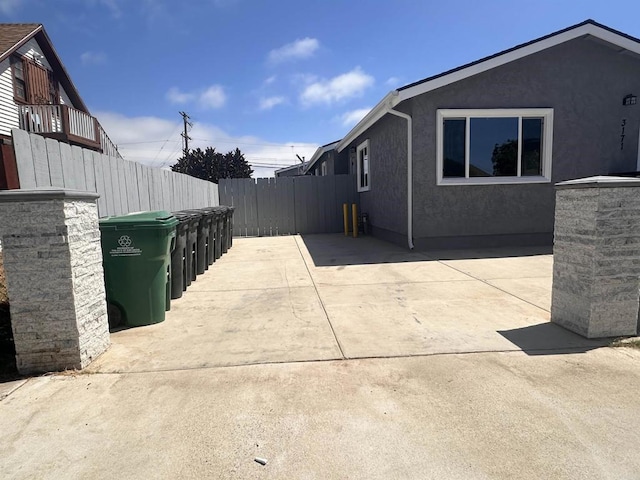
(291, 171)
(326, 160)
(470, 157)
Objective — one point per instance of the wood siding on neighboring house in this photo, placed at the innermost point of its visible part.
(8, 110)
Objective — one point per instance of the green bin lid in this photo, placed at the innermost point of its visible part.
(158, 218)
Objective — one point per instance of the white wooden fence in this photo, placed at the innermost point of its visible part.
(123, 186)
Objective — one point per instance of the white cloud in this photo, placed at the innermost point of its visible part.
(270, 102)
(93, 58)
(178, 97)
(210, 98)
(300, 49)
(348, 85)
(392, 82)
(142, 139)
(9, 6)
(213, 97)
(350, 118)
(270, 80)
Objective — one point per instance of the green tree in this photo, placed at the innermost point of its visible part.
(210, 165)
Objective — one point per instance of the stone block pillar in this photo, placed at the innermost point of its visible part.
(596, 255)
(53, 265)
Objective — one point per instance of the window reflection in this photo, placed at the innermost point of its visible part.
(454, 147)
(493, 149)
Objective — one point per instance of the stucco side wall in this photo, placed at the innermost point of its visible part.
(583, 81)
(386, 202)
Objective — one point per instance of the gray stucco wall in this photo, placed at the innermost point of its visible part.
(582, 80)
(337, 163)
(386, 202)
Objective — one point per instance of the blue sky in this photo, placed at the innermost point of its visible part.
(275, 78)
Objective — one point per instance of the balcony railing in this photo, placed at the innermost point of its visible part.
(67, 124)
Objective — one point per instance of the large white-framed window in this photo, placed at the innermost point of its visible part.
(362, 167)
(494, 146)
(323, 169)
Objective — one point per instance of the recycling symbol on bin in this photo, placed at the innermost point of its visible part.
(124, 241)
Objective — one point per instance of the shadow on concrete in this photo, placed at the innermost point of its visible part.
(551, 339)
(501, 252)
(337, 249)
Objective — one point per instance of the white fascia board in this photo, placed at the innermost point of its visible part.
(376, 113)
(316, 155)
(589, 29)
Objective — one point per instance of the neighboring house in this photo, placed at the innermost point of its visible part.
(327, 161)
(37, 94)
(292, 171)
(470, 157)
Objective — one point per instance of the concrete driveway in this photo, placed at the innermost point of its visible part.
(338, 358)
(329, 297)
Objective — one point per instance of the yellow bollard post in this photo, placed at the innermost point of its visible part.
(354, 214)
(345, 216)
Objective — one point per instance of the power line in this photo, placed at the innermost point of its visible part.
(165, 144)
(280, 145)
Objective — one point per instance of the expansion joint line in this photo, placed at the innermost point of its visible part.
(324, 309)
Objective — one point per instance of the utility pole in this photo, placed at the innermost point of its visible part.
(185, 136)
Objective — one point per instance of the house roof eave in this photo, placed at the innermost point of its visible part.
(40, 35)
(375, 114)
(8, 52)
(587, 28)
(318, 153)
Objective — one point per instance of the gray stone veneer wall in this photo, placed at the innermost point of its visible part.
(53, 265)
(596, 254)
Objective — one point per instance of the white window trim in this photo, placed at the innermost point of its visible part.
(546, 113)
(323, 168)
(362, 146)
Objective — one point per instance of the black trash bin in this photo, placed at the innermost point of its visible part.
(224, 234)
(214, 240)
(179, 256)
(204, 226)
(191, 247)
(230, 215)
(221, 234)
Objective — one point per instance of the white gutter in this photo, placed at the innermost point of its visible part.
(409, 171)
(375, 114)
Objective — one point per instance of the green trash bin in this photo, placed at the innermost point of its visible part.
(136, 253)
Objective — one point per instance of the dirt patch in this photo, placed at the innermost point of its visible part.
(7, 347)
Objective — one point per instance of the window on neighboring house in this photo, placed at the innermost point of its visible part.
(19, 83)
(324, 169)
(494, 146)
(362, 166)
(33, 83)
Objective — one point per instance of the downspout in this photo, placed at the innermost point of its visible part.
(409, 170)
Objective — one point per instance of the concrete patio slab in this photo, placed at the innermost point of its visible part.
(267, 300)
(480, 416)
(504, 267)
(536, 291)
(253, 274)
(435, 317)
(387, 272)
(226, 328)
(8, 387)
